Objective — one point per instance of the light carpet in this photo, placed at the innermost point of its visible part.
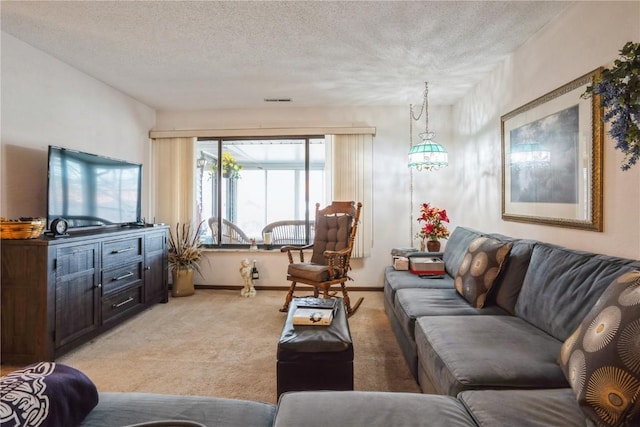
(217, 343)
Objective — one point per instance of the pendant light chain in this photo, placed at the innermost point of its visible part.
(411, 119)
(423, 109)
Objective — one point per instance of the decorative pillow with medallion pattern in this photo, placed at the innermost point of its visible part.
(480, 268)
(46, 394)
(601, 359)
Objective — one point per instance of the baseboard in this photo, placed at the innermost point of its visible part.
(282, 288)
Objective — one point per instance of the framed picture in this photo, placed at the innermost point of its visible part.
(552, 159)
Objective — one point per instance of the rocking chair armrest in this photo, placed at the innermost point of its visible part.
(332, 254)
(290, 249)
(295, 248)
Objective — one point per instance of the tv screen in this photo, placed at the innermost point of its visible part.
(91, 191)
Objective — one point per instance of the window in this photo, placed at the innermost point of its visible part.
(245, 187)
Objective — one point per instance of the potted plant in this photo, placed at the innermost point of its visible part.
(433, 229)
(619, 91)
(230, 166)
(185, 251)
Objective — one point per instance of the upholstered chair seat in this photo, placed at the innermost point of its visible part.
(309, 271)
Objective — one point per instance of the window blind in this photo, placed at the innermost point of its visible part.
(173, 186)
(351, 177)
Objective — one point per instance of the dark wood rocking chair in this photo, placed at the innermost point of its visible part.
(335, 231)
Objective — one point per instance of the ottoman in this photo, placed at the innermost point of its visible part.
(315, 357)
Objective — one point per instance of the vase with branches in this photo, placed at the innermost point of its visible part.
(185, 252)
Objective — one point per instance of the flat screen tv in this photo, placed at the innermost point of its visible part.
(89, 190)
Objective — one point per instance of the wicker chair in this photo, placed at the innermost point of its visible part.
(289, 232)
(231, 233)
(335, 231)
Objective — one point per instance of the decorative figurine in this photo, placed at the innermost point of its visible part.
(245, 271)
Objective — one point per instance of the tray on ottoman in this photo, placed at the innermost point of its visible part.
(315, 357)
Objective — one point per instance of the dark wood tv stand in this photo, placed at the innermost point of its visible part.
(58, 293)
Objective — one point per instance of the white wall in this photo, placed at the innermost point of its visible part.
(45, 101)
(588, 35)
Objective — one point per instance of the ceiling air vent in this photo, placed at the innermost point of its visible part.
(277, 100)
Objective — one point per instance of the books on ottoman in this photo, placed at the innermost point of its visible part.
(426, 266)
(314, 311)
(312, 302)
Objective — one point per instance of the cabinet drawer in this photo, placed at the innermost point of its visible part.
(121, 277)
(121, 251)
(121, 302)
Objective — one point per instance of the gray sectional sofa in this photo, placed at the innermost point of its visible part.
(491, 359)
(506, 353)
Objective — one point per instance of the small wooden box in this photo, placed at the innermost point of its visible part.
(401, 263)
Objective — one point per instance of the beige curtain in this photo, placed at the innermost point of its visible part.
(173, 180)
(350, 172)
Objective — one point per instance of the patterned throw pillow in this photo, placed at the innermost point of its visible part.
(480, 268)
(601, 359)
(46, 394)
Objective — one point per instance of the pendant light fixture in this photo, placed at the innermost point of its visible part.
(426, 154)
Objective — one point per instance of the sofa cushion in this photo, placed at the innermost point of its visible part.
(121, 409)
(456, 247)
(371, 409)
(471, 352)
(561, 286)
(505, 292)
(398, 279)
(406, 343)
(412, 304)
(480, 268)
(531, 408)
(601, 359)
(46, 394)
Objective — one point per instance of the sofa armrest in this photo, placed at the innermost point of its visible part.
(426, 254)
(121, 409)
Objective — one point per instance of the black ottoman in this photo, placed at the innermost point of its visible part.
(315, 357)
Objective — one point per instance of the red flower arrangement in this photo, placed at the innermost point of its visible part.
(433, 218)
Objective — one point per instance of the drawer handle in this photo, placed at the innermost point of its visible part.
(119, 251)
(124, 276)
(120, 304)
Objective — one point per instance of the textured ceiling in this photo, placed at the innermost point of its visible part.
(189, 55)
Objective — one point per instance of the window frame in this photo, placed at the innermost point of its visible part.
(219, 183)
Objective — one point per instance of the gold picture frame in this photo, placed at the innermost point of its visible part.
(552, 159)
